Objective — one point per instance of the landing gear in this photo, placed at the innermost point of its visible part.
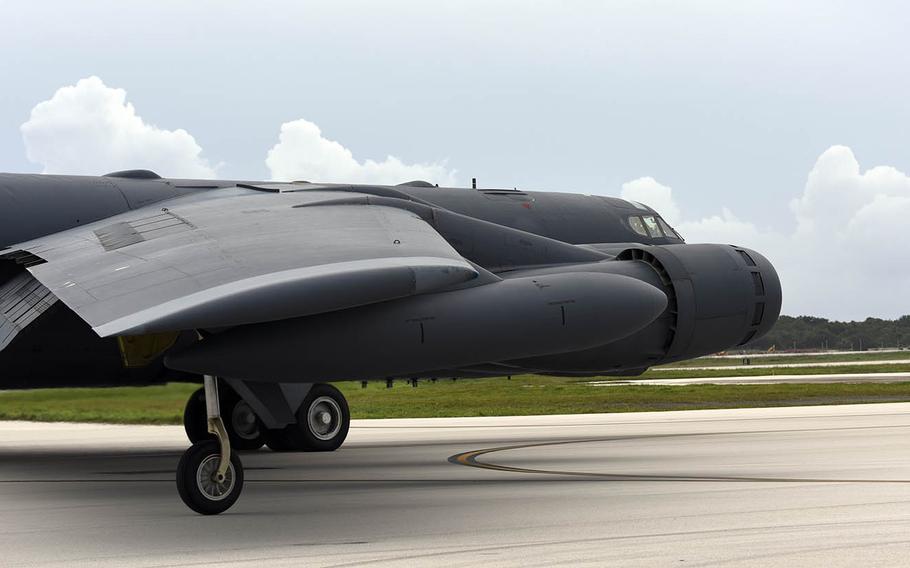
(195, 421)
(243, 428)
(210, 475)
(198, 483)
(322, 424)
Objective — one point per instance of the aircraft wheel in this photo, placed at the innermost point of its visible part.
(194, 418)
(197, 481)
(322, 424)
(323, 420)
(243, 427)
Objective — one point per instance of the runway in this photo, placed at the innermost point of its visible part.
(900, 377)
(889, 362)
(808, 486)
(776, 354)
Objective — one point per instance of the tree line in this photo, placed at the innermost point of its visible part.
(807, 332)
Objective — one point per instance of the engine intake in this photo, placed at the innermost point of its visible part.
(724, 296)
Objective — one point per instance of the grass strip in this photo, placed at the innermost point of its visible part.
(524, 395)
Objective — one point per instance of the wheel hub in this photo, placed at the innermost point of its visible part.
(324, 418)
(208, 482)
(243, 421)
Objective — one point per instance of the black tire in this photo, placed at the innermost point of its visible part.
(243, 426)
(309, 434)
(243, 435)
(195, 419)
(197, 489)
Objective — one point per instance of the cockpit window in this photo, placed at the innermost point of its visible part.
(638, 226)
(653, 228)
(668, 230)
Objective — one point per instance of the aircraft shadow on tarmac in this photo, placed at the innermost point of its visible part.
(112, 466)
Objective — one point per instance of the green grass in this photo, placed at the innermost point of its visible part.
(126, 405)
(523, 395)
(529, 395)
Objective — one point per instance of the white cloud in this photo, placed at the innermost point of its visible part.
(90, 128)
(723, 228)
(649, 191)
(846, 257)
(302, 153)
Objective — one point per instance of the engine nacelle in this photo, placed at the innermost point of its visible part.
(725, 296)
(719, 296)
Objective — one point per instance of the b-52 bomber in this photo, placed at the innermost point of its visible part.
(266, 293)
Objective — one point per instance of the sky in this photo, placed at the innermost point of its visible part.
(782, 126)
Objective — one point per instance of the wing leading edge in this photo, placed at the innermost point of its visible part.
(236, 257)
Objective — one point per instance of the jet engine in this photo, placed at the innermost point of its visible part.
(718, 297)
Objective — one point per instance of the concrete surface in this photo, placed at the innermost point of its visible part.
(812, 486)
(765, 379)
(888, 362)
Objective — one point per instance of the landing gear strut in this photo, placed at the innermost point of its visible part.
(210, 475)
(243, 428)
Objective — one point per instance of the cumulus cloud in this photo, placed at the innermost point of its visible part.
(651, 192)
(846, 257)
(90, 128)
(303, 153)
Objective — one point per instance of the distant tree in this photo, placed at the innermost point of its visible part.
(808, 332)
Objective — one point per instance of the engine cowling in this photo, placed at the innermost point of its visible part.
(725, 296)
(719, 297)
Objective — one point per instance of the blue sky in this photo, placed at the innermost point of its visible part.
(732, 104)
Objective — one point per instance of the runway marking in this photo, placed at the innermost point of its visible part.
(470, 459)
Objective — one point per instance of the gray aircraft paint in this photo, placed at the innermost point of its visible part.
(291, 279)
(505, 320)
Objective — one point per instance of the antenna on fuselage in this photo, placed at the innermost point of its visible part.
(473, 183)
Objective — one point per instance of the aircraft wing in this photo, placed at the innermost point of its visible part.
(238, 256)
